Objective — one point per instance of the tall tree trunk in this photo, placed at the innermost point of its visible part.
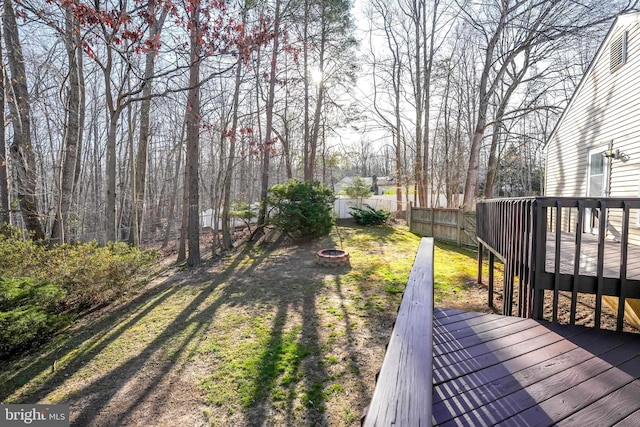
(140, 169)
(110, 205)
(315, 134)
(305, 59)
(421, 191)
(193, 137)
(226, 191)
(492, 166)
(5, 217)
(21, 147)
(266, 153)
(427, 183)
(398, 136)
(73, 129)
(174, 191)
(184, 224)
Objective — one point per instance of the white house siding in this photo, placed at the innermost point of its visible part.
(604, 111)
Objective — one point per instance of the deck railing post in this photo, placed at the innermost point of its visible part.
(576, 263)
(602, 230)
(556, 267)
(622, 289)
(540, 253)
(492, 260)
(480, 256)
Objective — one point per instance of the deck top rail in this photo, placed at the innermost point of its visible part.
(530, 236)
(403, 393)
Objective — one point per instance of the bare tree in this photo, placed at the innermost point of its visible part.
(193, 135)
(140, 171)
(21, 147)
(508, 29)
(72, 141)
(5, 218)
(268, 138)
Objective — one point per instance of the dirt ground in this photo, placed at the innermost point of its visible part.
(120, 371)
(142, 362)
(476, 299)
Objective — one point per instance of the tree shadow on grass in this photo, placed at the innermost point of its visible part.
(91, 340)
(139, 384)
(180, 335)
(82, 347)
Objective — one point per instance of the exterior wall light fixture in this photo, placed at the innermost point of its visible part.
(615, 155)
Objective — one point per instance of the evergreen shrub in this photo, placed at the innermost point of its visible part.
(369, 216)
(302, 209)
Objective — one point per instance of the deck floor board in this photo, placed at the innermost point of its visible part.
(632, 420)
(532, 373)
(589, 256)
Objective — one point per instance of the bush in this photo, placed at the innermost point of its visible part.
(244, 212)
(29, 313)
(42, 287)
(93, 274)
(369, 215)
(302, 209)
(89, 274)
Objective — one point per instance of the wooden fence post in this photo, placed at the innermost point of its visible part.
(460, 226)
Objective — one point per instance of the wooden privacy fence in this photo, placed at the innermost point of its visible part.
(450, 225)
(563, 244)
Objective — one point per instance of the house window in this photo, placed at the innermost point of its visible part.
(618, 52)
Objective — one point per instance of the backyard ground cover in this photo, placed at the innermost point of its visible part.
(261, 336)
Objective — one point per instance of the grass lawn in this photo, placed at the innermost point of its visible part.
(263, 336)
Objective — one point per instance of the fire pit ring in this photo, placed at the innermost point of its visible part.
(332, 257)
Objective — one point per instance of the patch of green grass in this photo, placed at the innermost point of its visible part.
(394, 288)
(260, 366)
(453, 268)
(314, 396)
(334, 389)
(335, 312)
(349, 416)
(331, 360)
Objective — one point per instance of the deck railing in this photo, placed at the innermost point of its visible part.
(404, 386)
(560, 244)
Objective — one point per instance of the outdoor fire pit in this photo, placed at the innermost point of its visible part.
(332, 257)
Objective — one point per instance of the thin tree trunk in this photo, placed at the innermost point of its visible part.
(110, 206)
(21, 148)
(427, 183)
(140, 169)
(5, 216)
(193, 138)
(305, 58)
(226, 192)
(421, 192)
(315, 133)
(73, 130)
(266, 154)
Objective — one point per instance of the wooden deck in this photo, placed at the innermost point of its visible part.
(455, 368)
(490, 369)
(589, 256)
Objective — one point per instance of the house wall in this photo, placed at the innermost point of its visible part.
(605, 111)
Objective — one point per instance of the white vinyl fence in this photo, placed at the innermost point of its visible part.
(342, 206)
